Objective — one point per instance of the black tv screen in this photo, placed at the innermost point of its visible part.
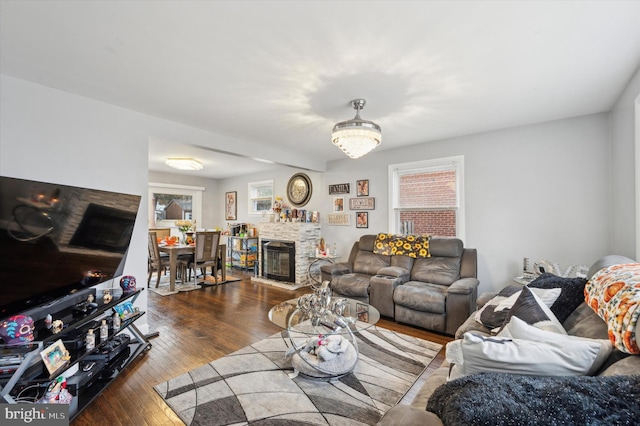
(55, 239)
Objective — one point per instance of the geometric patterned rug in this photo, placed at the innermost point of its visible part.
(252, 386)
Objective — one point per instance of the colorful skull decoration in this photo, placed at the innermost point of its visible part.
(17, 329)
(128, 284)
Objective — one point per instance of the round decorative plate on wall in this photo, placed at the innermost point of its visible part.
(299, 190)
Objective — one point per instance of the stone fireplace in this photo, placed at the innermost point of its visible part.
(303, 237)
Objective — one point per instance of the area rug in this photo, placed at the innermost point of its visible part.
(252, 386)
(163, 288)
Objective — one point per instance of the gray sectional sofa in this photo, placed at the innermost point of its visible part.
(615, 387)
(436, 293)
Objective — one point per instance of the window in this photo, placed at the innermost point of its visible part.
(427, 197)
(260, 197)
(169, 203)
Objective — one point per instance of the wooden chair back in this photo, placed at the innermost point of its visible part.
(207, 246)
(154, 252)
(161, 232)
(155, 260)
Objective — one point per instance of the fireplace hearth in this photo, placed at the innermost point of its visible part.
(279, 260)
(303, 236)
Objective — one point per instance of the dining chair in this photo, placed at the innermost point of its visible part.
(206, 255)
(157, 263)
(161, 232)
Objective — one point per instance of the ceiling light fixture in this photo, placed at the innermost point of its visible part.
(356, 137)
(184, 163)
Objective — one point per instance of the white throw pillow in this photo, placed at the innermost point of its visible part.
(518, 329)
(479, 354)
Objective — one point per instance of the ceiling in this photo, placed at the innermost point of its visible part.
(279, 74)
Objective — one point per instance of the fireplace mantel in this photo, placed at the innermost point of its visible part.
(306, 237)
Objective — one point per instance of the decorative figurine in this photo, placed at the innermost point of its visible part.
(17, 329)
(106, 295)
(56, 326)
(128, 284)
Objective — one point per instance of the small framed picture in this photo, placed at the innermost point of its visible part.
(362, 220)
(230, 206)
(338, 204)
(55, 356)
(362, 188)
(362, 312)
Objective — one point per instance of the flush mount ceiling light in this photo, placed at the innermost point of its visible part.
(184, 163)
(356, 137)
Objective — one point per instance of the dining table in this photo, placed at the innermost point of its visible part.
(177, 249)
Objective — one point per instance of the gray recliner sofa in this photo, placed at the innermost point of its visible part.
(436, 293)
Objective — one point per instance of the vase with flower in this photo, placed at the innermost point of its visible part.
(185, 227)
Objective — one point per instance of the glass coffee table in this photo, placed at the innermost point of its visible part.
(320, 328)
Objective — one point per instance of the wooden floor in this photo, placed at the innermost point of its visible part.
(195, 328)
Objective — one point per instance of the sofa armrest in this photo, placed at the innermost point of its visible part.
(460, 303)
(408, 415)
(334, 270)
(395, 272)
(464, 286)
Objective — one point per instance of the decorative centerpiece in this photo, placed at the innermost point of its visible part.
(185, 227)
(326, 355)
(318, 307)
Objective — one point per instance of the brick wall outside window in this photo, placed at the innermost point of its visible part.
(428, 189)
(431, 222)
(434, 190)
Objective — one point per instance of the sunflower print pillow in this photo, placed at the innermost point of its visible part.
(406, 245)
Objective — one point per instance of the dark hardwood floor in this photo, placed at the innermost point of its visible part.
(195, 328)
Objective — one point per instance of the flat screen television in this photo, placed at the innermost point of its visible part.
(56, 239)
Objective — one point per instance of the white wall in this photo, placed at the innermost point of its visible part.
(624, 168)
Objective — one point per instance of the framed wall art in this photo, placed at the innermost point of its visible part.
(230, 205)
(339, 188)
(363, 203)
(362, 188)
(338, 219)
(299, 190)
(362, 220)
(338, 204)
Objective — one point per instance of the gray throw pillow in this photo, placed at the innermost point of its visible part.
(571, 295)
(530, 309)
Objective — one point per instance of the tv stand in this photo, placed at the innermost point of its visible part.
(40, 312)
(106, 360)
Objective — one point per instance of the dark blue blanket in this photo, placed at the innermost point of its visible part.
(505, 399)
